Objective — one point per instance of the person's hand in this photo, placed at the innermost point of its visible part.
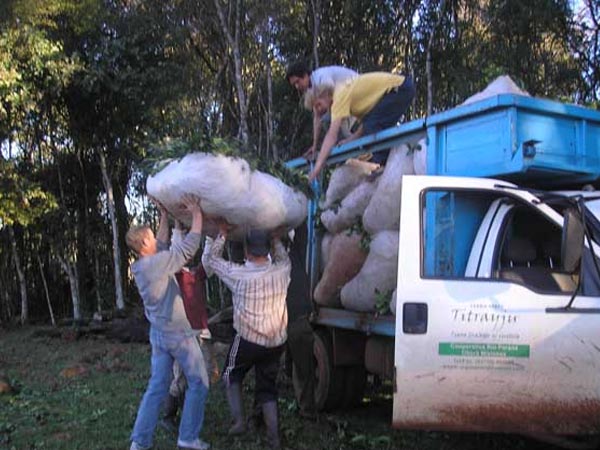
(312, 175)
(161, 208)
(345, 141)
(191, 202)
(223, 226)
(310, 153)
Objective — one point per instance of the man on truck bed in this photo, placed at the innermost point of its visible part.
(377, 99)
(305, 81)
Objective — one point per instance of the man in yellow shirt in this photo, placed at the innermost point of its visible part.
(377, 99)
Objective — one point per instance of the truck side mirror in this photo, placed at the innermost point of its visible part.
(572, 241)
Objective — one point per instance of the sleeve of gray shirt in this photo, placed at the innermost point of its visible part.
(152, 273)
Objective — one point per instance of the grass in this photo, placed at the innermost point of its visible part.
(84, 394)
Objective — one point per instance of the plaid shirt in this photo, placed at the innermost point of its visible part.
(258, 290)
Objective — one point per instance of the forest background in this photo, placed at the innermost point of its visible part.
(91, 90)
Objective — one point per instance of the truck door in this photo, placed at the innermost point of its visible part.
(480, 345)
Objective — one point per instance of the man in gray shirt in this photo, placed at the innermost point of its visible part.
(304, 81)
(171, 334)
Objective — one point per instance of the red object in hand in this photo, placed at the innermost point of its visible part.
(191, 283)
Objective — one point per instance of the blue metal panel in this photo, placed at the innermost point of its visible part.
(368, 323)
(385, 139)
(521, 138)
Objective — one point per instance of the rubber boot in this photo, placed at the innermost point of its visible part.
(236, 407)
(169, 420)
(269, 410)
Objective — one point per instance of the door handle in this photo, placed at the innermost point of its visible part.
(414, 318)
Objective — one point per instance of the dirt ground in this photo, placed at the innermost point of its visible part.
(73, 393)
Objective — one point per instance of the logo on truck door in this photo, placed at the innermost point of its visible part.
(494, 339)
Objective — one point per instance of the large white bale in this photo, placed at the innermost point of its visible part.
(501, 85)
(345, 178)
(420, 157)
(346, 257)
(228, 188)
(351, 209)
(383, 211)
(379, 273)
(325, 249)
(393, 301)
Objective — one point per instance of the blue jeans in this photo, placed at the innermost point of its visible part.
(167, 347)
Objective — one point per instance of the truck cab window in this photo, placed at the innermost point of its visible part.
(529, 253)
(487, 235)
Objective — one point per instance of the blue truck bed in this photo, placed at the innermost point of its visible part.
(523, 139)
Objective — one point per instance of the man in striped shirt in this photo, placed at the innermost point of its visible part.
(259, 288)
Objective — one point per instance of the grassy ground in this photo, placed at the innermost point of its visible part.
(84, 394)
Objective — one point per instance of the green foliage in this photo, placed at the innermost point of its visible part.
(21, 201)
(96, 410)
(382, 301)
(358, 228)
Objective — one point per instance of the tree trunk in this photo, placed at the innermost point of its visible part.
(266, 41)
(316, 7)
(71, 270)
(20, 275)
(46, 290)
(115, 232)
(97, 282)
(234, 46)
(428, 63)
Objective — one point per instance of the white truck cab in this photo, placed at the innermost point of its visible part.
(484, 338)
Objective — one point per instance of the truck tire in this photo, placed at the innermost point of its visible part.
(329, 384)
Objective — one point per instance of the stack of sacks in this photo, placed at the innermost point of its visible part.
(342, 256)
(377, 203)
(345, 259)
(383, 211)
(378, 274)
(350, 209)
(344, 179)
(230, 189)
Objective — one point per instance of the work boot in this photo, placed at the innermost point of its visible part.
(236, 407)
(169, 420)
(269, 410)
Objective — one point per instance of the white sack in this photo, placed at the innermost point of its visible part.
(501, 85)
(345, 178)
(383, 211)
(351, 209)
(346, 257)
(228, 188)
(325, 247)
(420, 158)
(378, 273)
(393, 302)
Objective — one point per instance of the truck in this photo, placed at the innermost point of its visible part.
(497, 325)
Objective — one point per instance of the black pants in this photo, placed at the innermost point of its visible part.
(242, 356)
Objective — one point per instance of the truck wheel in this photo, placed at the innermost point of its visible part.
(329, 386)
(354, 385)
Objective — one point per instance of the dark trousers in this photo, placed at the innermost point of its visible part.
(242, 356)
